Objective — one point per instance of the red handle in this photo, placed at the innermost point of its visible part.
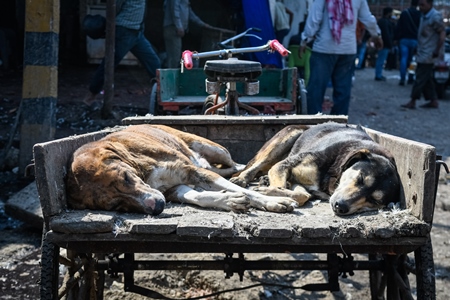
(187, 59)
(275, 45)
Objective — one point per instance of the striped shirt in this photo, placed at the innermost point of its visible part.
(130, 13)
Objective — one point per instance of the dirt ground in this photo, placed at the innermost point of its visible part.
(374, 104)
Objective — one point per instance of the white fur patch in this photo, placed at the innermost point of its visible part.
(378, 195)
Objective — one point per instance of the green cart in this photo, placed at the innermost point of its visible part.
(184, 93)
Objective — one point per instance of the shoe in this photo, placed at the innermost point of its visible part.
(382, 78)
(402, 83)
(430, 104)
(409, 105)
(410, 81)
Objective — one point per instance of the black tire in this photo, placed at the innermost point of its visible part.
(49, 270)
(425, 273)
(79, 280)
(209, 102)
(152, 106)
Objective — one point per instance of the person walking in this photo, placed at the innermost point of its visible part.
(430, 44)
(129, 36)
(331, 24)
(362, 36)
(177, 15)
(387, 34)
(281, 19)
(406, 35)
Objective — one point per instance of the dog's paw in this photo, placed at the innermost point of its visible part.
(280, 205)
(233, 201)
(299, 195)
(238, 181)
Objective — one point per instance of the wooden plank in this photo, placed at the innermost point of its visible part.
(227, 120)
(85, 221)
(51, 160)
(416, 163)
(206, 224)
(149, 225)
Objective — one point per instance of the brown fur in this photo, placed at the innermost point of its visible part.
(137, 168)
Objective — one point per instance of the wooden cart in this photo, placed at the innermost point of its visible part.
(94, 239)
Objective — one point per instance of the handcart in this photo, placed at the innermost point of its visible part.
(232, 86)
(80, 247)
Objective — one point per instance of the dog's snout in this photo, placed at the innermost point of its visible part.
(159, 207)
(341, 207)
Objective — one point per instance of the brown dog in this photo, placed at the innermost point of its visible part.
(137, 168)
(329, 161)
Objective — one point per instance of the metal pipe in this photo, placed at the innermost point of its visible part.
(143, 265)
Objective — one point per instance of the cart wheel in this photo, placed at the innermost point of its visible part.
(153, 102)
(80, 279)
(49, 270)
(393, 282)
(209, 102)
(301, 104)
(425, 273)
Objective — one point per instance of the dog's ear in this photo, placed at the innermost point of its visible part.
(354, 157)
(342, 164)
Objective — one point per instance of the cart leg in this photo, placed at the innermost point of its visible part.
(377, 281)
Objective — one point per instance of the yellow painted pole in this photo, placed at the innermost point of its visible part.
(40, 76)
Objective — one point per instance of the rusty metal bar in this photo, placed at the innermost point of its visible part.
(144, 265)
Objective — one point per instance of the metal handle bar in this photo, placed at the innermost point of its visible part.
(241, 35)
(273, 45)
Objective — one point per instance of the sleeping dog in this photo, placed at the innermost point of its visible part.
(329, 161)
(138, 168)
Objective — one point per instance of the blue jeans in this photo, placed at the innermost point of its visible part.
(361, 53)
(128, 40)
(407, 48)
(382, 55)
(338, 67)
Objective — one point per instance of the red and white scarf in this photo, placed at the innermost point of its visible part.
(340, 13)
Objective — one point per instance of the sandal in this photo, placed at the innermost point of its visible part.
(409, 105)
(430, 105)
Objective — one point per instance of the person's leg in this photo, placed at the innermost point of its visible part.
(429, 88)
(145, 53)
(173, 46)
(342, 84)
(382, 55)
(404, 55)
(361, 55)
(280, 34)
(321, 68)
(418, 87)
(125, 39)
